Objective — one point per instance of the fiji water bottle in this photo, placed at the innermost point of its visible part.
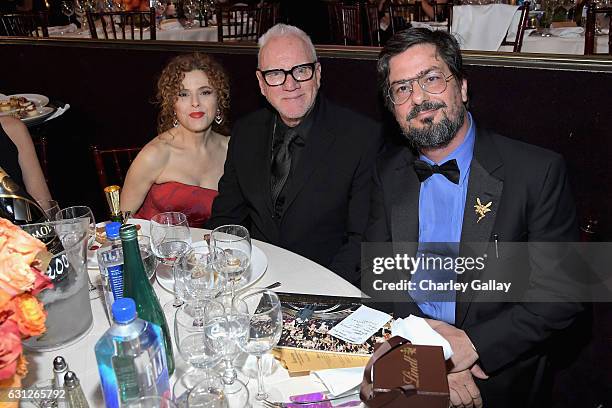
(131, 358)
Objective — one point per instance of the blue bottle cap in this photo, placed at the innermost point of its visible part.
(124, 310)
(112, 230)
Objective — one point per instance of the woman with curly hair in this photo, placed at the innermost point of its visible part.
(180, 169)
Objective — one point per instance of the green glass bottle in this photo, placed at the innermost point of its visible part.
(136, 286)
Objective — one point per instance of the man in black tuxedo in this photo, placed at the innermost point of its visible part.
(298, 173)
(457, 183)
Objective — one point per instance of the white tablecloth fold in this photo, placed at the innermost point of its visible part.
(482, 27)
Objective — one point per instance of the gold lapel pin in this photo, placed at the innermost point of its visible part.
(481, 209)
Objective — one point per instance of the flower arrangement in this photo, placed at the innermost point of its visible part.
(23, 260)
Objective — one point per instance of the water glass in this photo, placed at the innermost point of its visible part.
(152, 402)
(198, 272)
(235, 240)
(210, 392)
(265, 327)
(166, 229)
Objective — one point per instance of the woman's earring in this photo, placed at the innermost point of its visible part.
(218, 117)
(175, 122)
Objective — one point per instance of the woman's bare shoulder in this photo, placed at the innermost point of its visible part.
(156, 152)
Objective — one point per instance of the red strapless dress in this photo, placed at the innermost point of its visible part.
(193, 201)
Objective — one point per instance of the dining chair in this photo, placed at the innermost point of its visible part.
(346, 23)
(591, 28)
(400, 15)
(25, 24)
(117, 160)
(245, 23)
(517, 43)
(125, 22)
(373, 25)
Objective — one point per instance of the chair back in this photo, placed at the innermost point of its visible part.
(400, 15)
(373, 25)
(591, 27)
(123, 25)
(25, 24)
(116, 160)
(245, 23)
(520, 31)
(346, 23)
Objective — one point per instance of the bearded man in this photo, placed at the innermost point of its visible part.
(456, 183)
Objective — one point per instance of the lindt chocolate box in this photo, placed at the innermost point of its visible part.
(405, 375)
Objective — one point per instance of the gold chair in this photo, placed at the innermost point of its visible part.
(591, 26)
(116, 160)
(245, 23)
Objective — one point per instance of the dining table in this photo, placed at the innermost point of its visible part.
(295, 273)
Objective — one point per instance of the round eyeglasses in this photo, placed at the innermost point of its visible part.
(301, 73)
(433, 82)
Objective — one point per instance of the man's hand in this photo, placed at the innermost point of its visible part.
(463, 391)
(464, 355)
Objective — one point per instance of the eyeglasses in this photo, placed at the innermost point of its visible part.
(433, 82)
(301, 73)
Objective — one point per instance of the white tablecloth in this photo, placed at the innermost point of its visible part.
(558, 45)
(482, 27)
(296, 274)
(169, 32)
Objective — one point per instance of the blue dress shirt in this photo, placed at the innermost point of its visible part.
(441, 208)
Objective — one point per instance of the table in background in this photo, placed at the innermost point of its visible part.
(170, 33)
(296, 274)
(558, 45)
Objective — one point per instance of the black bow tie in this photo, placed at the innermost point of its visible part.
(450, 170)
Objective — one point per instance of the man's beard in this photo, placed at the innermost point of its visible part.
(433, 135)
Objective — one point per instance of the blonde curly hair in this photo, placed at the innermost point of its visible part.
(170, 83)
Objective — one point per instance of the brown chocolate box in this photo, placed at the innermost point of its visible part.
(421, 370)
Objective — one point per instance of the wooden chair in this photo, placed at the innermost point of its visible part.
(520, 32)
(25, 24)
(346, 23)
(401, 15)
(373, 25)
(117, 160)
(124, 22)
(245, 23)
(589, 34)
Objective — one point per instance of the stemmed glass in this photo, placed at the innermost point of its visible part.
(225, 328)
(170, 239)
(190, 8)
(192, 346)
(236, 242)
(79, 11)
(160, 8)
(212, 393)
(265, 328)
(67, 9)
(198, 271)
(76, 213)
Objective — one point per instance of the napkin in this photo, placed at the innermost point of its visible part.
(567, 32)
(418, 331)
(171, 24)
(59, 30)
(482, 27)
(340, 380)
(59, 112)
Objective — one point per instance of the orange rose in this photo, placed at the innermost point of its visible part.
(29, 315)
(14, 239)
(10, 349)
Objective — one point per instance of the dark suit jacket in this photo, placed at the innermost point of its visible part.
(531, 201)
(327, 202)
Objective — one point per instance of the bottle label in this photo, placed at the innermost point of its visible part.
(115, 280)
(59, 266)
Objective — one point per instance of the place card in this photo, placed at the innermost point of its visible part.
(360, 325)
(300, 362)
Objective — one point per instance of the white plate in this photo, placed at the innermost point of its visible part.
(259, 264)
(44, 112)
(41, 100)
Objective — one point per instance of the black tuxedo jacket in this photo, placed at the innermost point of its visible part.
(531, 201)
(327, 202)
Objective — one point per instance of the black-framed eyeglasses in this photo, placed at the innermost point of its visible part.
(433, 82)
(301, 73)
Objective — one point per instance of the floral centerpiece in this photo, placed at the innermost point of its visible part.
(23, 260)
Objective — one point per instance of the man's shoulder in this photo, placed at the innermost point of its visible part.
(516, 152)
(347, 121)
(259, 116)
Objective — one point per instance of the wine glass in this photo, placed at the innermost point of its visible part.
(51, 207)
(192, 346)
(212, 393)
(265, 328)
(225, 328)
(190, 9)
(236, 242)
(160, 8)
(198, 272)
(67, 9)
(79, 11)
(80, 212)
